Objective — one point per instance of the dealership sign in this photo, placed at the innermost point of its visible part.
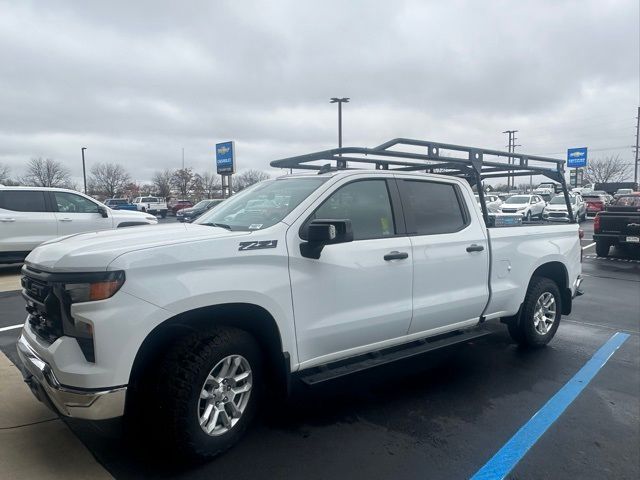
(226, 158)
(577, 157)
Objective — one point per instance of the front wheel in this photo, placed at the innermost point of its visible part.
(540, 315)
(528, 216)
(205, 393)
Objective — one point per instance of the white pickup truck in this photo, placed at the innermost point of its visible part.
(306, 276)
(153, 205)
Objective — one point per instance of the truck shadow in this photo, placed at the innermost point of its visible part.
(413, 401)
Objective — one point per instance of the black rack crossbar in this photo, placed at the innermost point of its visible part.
(475, 164)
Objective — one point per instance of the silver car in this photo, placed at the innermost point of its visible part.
(556, 209)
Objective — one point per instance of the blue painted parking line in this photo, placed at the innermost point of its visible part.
(512, 452)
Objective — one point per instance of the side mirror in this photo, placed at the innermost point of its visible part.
(103, 211)
(325, 232)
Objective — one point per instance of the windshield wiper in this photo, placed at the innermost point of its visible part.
(221, 225)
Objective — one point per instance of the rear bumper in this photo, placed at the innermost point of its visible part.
(615, 239)
(87, 404)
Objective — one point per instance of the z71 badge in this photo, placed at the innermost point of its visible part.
(258, 245)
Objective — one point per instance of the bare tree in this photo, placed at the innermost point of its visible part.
(4, 173)
(162, 182)
(46, 173)
(183, 180)
(248, 178)
(209, 183)
(606, 169)
(108, 179)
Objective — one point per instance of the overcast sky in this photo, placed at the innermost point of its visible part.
(137, 81)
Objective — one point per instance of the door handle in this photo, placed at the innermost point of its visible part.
(475, 248)
(65, 220)
(395, 255)
(7, 220)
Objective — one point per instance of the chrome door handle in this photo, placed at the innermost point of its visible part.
(395, 255)
(65, 220)
(475, 248)
(7, 220)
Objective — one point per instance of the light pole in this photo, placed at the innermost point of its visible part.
(340, 101)
(84, 172)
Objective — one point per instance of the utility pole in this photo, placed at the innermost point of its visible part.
(84, 172)
(340, 101)
(511, 181)
(635, 163)
(182, 158)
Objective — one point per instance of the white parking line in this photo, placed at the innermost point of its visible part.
(589, 246)
(12, 327)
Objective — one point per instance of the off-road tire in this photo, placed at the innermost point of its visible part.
(602, 248)
(522, 329)
(174, 393)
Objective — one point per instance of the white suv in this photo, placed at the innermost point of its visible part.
(528, 206)
(32, 215)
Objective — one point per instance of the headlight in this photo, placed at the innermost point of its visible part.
(151, 219)
(98, 289)
(521, 208)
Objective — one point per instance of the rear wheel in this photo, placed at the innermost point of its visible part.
(540, 315)
(205, 393)
(602, 248)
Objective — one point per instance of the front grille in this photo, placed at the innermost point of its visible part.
(557, 214)
(44, 308)
(509, 210)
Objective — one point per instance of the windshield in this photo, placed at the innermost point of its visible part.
(517, 199)
(262, 205)
(201, 204)
(624, 190)
(150, 199)
(559, 200)
(630, 201)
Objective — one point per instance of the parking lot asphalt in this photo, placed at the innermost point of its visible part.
(444, 414)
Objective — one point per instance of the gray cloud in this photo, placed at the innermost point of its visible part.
(137, 81)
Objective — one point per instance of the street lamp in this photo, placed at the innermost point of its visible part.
(340, 101)
(84, 172)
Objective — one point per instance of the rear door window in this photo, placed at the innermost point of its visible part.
(432, 208)
(23, 201)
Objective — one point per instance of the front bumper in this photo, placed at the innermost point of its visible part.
(89, 404)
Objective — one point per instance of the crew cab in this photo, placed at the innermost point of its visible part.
(32, 215)
(153, 205)
(305, 277)
(619, 224)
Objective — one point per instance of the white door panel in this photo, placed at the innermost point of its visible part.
(24, 231)
(450, 285)
(77, 214)
(351, 296)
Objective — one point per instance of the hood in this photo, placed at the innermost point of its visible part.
(133, 214)
(192, 211)
(96, 250)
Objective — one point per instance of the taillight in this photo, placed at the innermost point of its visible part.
(596, 223)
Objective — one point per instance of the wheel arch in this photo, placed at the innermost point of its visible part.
(252, 318)
(557, 271)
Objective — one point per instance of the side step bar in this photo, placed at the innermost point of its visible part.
(341, 368)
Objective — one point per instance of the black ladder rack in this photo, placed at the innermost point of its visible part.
(473, 163)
